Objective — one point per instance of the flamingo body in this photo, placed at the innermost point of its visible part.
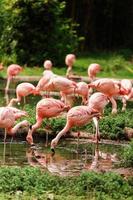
(46, 108)
(23, 90)
(13, 70)
(8, 117)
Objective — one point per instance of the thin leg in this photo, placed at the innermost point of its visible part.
(7, 85)
(124, 102)
(95, 120)
(114, 105)
(4, 150)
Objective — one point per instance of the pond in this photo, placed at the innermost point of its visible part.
(69, 158)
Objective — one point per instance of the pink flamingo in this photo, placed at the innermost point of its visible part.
(53, 82)
(22, 90)
(48, 69)
(46, 108)
(8, 117)
(126, 92)
(69, 60)
(81, 115)
(12, 71)
(108, 87)
(113, 88)
(93, 69)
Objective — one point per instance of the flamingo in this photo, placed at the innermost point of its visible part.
(22, 90)
(52, 82)
(93, 69)
(81, 115)
(69, 60)
(12, 71)
(126, 92)
(108, 87)
(113, 88)
(48, 69)
(8, 117)
(45, 108)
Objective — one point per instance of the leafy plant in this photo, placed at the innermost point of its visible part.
(36, 30)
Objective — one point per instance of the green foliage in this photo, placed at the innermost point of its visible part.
(89, 185)
(36, 30)
(127, 155)
(112, 126)
(114, 64)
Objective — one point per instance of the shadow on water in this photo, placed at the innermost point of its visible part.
(68, 160)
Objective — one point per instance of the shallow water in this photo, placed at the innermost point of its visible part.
(69, 158)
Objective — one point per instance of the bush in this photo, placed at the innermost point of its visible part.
(35, 30)
(38, 183)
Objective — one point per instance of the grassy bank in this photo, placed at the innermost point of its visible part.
(114, 64)
(32, 183)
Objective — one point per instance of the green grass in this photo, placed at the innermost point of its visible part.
(32, 183)
(114, 65)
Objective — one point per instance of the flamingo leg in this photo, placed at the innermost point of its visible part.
(95, 120)
(114, 105)
(55, 141)
(7, 85)
(4, 150)
(124, 102)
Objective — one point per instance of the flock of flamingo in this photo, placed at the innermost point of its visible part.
(91, 109)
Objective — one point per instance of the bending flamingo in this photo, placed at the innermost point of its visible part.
(8, 117)
(12, 71)
(22, 90)
(46, 108)
(54, 82)
(108, 87)
(81, 115)
(126, 92)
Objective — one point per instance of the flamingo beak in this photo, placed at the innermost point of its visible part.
(30, 127)
(53, 151)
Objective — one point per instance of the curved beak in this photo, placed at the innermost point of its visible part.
(53, 151)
